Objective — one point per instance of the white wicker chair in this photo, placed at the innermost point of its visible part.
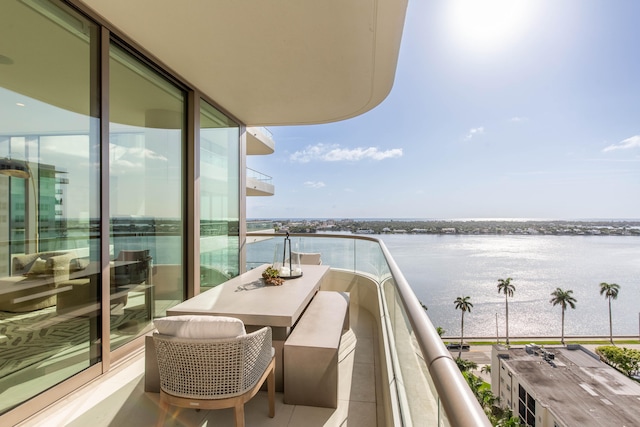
(215, 373)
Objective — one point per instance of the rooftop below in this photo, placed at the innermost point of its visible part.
(576, 387)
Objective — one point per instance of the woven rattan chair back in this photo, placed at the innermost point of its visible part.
(215, 373)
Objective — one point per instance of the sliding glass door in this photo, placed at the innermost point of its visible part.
(49, 204)
(219, 197)
(146, 144)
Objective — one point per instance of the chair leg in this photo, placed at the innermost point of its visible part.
(239, 414)
(164, 409)
(271, 391)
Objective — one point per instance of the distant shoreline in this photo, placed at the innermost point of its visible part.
(573, 338)
(618, 227)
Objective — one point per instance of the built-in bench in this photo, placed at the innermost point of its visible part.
(311, 351)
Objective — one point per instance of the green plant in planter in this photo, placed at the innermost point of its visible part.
(271, 276)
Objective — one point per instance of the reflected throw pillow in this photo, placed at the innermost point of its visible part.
(38, 267)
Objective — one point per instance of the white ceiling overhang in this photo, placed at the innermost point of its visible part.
(271, 62)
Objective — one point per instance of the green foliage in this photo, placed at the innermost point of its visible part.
(609, 290)
(563, 298)
(508, 420)
(466, 365)
(505, 287)
(482, 391)
(463, 303)
(624, 359)
(271, 276)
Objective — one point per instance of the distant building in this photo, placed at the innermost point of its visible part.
(449, 230)
(563, 387)
(364, 231)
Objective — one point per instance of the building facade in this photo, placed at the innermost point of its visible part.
(123, 138)
(562, 387)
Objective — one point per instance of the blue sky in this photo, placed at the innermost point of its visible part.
(521, 109)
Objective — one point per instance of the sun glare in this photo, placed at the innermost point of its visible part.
(487, 24)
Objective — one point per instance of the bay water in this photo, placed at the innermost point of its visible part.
(441, 268)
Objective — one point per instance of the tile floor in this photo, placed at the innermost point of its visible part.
(118, 398)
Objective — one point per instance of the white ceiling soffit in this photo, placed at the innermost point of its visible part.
(272, 62)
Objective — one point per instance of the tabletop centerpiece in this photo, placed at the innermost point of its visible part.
(288, 267)
(270, 276)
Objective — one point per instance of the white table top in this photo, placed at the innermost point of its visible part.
(249, 299)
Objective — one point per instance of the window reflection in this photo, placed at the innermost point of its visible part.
(219, 197)
(49, 251)
(146, 195)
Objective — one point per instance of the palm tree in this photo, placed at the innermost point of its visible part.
(505, 287)
(462, 303)
(564, 299)
(609, 290)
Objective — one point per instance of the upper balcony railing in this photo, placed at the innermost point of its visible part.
(259, 176)
(259, 184)
(257, 226)
(427, 383)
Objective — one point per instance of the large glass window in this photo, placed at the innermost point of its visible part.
(49, 210)
(51, 306)
(147, 114)
(219, 197)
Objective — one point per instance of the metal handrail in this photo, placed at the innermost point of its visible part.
(252, 173)
(459, 403)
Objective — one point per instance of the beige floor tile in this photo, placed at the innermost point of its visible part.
(362, 414)
(362, 323)
(127, 404)
(310, 416)
(364, 351)
(363, 383)
(119, 399)
(345, 371)
(256, 413)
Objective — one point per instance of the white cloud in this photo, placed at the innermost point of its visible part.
(334, 153)
(312, 152)
(314, 184)
(518, 119)
(473, 132)
(633, 142)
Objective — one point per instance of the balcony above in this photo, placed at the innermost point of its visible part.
(272, 62)
(259, 141)
(259, 184)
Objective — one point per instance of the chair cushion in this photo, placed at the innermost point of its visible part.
(194, 326)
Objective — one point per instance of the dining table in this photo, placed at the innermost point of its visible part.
(249, 298)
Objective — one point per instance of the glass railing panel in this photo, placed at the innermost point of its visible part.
(412, 387)
(259, 226)
(259, 176)
(417, 395)
(337, 252)
(370, 260)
